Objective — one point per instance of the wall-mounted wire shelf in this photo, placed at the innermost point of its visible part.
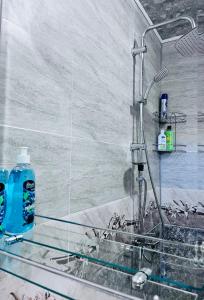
(173, 117)
(200, 117)
(200, 148)
(59, 254)
(179, 148)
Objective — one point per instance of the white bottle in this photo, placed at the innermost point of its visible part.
(162, 141)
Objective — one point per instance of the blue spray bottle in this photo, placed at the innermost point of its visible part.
(21, 195)
(3, 198)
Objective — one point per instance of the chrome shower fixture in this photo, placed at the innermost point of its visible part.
(191, 43)
(138, 140)
(157, 78)
(136, 50)
(143, 44)
(161, 74)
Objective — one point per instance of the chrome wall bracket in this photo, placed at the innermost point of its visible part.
(136, 147)
(14, 239)
(143, 101)
(139, 50)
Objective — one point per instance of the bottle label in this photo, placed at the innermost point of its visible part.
(163, 108)
(2, 205)
(163, 140)
(28, 201)
(162, 147)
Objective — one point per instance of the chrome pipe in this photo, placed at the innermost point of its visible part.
(141, 93)
(141, 208)
(1, 10)
(141, 141)
(189, 19)
(144, 203)
(140, 173)
(148, 90)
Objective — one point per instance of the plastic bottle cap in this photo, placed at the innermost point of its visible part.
(23, 157)
(164, 96)
(162, 131)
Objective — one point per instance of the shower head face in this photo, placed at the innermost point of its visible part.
(161, 74)
(157, 78)
(191, 43)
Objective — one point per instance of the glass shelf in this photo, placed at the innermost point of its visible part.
(177, 148)
(106, 258)
(173, 117)
(200, 117)
(90, 280)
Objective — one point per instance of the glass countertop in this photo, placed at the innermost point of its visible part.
(106, 258)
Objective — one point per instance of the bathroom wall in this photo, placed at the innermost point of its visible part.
(182, 172)
(66, 92)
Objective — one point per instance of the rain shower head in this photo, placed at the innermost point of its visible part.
(157, 78)
(191, 43)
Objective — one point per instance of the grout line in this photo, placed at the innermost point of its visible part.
(90, 209)
(71, 144)
(64, 136)
(103, 142)
(70, 153)
(32, 130)
(1, 15)
(144, 13)
(98, 207)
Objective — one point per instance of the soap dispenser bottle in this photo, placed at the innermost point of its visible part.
(162, 141)
(21, 195)
(163, 106)
(3, 198)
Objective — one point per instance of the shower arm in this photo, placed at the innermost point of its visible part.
(189, 19)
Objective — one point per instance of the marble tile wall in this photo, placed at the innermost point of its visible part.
(182, 172)
(162, 10)
(66, 91)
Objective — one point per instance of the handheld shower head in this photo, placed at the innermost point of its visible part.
(157, 78)
(161, 74)
(191, 43)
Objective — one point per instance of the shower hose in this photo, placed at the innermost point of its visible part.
(152, 183)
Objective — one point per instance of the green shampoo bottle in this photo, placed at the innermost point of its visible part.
(169, 139)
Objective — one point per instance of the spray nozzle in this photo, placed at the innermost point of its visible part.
(23, 156)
